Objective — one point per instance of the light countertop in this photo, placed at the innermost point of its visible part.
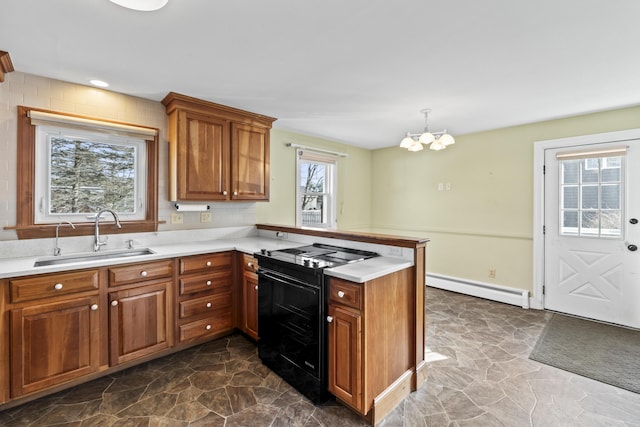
(356, 272)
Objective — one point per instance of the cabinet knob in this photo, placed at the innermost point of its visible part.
(143, 273)
(329, 319)
(114, 303)
(256, 288)
(250, 264)
(235, 193)
(94, 307)
(208, 327)
(57, 286)
(224, 193)
(208, 283)
(208, 264)
(208, 305)
(340, 294)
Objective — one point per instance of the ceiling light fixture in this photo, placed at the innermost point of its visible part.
(99, 83)
(438, 140)
(142, 5)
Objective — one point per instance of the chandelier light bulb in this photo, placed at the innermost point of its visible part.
(447, 139)
(426, 138)
(415, 147)
(437, 145)
(407, 141)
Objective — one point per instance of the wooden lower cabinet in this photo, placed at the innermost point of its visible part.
(140, 321)
(205, 297)
(53, 343)
(345, 355)
(370, 350)
(249, 309)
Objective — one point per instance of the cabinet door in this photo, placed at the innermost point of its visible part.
(203, 157)
(345, 355)
(54, 343)
(140, 322)
(250, 304)
(249, 162)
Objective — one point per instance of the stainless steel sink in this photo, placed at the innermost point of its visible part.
(94, 256)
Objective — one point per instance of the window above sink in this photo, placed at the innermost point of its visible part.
(72, 166)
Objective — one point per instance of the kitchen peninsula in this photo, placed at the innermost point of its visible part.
(168, 280)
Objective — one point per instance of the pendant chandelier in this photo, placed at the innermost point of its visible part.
(438, 140)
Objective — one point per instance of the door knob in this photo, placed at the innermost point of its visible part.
(632, 248)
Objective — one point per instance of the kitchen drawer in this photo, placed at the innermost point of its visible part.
(133, 273)
(208, 262)
(249, 263)
(346, 293)
(211, 325)
(52, 285)
(207, 304)
(212, 282)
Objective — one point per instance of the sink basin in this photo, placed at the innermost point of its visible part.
(94, 256)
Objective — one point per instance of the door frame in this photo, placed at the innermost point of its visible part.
(539, 148)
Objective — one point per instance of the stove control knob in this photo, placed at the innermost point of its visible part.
(316, 264)
(305, 262)
(268, 253)
(263, 251)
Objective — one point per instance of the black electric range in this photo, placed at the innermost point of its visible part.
(292, 310)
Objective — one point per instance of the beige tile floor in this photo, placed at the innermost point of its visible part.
(479, 375)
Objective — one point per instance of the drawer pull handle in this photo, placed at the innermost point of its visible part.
(57, 286)
(329, 319)
(208, 327)
(94, 307)
(143, 273)
(114, 303)
(208, 282)
(208, 305)
(256, 288)
(340, 294)
(208, 263)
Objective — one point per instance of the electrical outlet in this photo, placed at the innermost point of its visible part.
(177, 218)
(492, 273)
(205, 216)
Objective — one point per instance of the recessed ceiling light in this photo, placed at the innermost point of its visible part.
(99, 83)
(143, 5)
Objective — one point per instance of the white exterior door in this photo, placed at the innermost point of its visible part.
(592, 231)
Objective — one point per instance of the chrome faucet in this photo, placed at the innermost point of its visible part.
(56, 250)
(97, 243)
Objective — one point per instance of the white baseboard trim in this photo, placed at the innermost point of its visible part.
(488, 291)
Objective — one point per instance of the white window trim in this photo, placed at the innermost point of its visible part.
(43, 170)
(308, 155)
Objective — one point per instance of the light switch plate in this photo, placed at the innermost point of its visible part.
(177, 218)
(205, 216)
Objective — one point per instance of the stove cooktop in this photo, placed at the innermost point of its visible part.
(318, 255)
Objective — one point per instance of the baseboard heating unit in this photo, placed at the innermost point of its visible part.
(488, 291)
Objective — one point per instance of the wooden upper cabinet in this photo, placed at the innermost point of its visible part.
(249, 162)
(216, 152)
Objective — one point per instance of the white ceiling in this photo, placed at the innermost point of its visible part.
(354, 71)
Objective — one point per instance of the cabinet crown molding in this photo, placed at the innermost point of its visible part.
(175, 101)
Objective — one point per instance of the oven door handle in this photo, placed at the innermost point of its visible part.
(286, 282)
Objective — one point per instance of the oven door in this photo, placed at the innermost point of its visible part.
(289, 313)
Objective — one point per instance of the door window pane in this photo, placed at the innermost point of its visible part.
(591, 197)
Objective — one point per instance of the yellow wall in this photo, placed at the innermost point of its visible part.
(485, 221)
(354, 186)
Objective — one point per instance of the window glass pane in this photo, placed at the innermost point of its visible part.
(86, 176)
(570, 171)
(611, 224)
(590, 224)
(570, 222)
(611, 169)
(590, 170)
(570, 197)
(590, 197)
(313, 212)
(610, 196)
(312, 177)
